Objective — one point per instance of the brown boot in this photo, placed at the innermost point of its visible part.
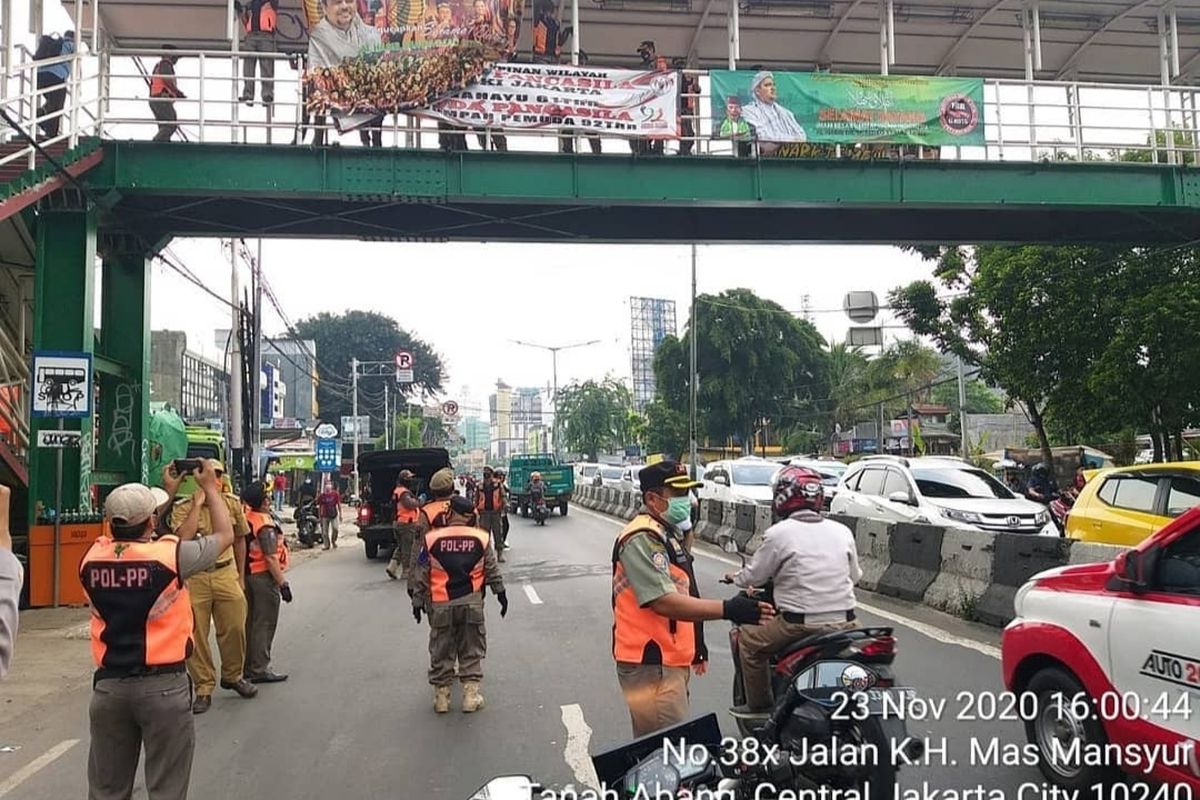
(472, 699)
(441, 699)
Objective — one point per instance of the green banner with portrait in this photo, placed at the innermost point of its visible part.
(826, 108)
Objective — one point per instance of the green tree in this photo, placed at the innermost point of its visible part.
(666, 430)
(847, 384)
(980, 399)
(1029, 317)
(594, 416)
(367, 336)
(755, 362)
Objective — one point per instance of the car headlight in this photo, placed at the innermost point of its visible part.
(1042, 517)
(969, 517)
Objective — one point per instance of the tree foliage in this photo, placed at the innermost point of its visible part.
(755, 362)
(666, 429)
(594, 416)
(980, 399)
(367, 336)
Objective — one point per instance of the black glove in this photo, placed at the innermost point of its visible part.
(503, 598)
(285, 591)
(741, 610)
(417, 614)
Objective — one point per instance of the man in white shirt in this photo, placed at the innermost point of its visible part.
(771, 121)
(814, 565)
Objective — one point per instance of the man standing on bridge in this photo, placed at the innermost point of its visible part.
(455, 564)
(141, 635)
(164, 91)
(657, 608)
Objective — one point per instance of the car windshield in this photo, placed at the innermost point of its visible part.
(959, 483)
(831, 473)
(754, 474)
(611, 473)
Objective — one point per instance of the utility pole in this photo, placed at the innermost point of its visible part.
(387, 420)
(554, 355)
(692, 424)
(235, 368)
(354, 415)
(964, 446)
(256, 366)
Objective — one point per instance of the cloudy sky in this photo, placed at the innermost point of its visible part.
(547, 294)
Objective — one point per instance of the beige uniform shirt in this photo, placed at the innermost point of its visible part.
(204, 527)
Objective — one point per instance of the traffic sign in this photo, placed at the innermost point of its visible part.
(327, 456)
(62, 385)
(326, 431)
(450, 408)
(60, 439)
(404, 367)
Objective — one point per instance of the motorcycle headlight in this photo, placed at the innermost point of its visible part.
(969, 517)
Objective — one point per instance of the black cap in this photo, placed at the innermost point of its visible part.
(666, 473)
(461, 505)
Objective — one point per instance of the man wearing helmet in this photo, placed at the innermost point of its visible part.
(814, 565)
(1041, 488)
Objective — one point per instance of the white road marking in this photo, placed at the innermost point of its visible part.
(33, 767)
(532, 594)
(579, 736)
(932, 631)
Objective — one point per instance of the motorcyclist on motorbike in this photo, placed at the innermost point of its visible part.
(1041, 488)
(813, 564)
(537, 489)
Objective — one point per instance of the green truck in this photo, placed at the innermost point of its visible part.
(559, 480)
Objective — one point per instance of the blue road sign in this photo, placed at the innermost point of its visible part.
(328, 457)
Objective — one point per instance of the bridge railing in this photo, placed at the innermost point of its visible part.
(1023, 121)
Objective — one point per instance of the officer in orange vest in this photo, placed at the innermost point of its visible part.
(455, 563)
(408, 514)
(266, 583)
(164, 91)
(657, 608)
(259, 18)
(141, 634)
(435, 512)
(489, 505)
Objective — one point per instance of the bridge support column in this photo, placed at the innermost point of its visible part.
(63, 299)
(123, 363)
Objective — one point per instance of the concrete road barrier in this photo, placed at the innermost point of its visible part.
(1015, 559)
(966, 572)
(874, 551)
(1093, 553)
(916, 554)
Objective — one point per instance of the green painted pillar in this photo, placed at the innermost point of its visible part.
(63, 300)
(123, 370)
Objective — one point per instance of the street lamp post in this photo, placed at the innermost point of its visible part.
(554, 355)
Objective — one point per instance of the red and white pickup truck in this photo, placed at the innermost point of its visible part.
(1111, 652)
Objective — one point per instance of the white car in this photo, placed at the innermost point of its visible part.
(585, 474)
(937, 491)
(744, 480)
(611, 477)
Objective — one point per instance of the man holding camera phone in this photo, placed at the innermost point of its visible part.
(218, 594)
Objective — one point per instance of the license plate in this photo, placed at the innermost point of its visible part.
(896, 704)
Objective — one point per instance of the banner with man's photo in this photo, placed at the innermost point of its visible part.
(830, 109)
(549, 97)
(369, 58)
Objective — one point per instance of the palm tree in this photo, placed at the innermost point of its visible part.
(847, 382)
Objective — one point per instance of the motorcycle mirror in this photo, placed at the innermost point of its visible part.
(506, 787)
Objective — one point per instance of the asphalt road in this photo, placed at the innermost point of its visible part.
(356, 718)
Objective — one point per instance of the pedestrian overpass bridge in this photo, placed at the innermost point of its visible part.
(1056, 169)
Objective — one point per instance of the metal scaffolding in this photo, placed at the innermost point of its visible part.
(652, 320)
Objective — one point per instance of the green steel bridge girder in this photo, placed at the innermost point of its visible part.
(173, 189)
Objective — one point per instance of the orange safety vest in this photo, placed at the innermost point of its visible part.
(641, 636)
(141, 610)
(497, 497)
(405, 516)
(434, 509)
(161, 85)
(256, 561)
(456, 559)
(267, 18)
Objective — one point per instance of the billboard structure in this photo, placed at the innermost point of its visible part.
(652, 320)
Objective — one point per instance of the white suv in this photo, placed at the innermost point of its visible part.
(938, 491)
(743, 480)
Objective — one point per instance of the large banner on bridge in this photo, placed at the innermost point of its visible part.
(550, 97)
(824, 108)
(379, 57)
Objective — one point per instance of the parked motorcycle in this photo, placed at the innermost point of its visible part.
(305, 517)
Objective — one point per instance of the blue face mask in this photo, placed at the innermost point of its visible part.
(678, 509)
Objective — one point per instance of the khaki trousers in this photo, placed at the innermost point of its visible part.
(657, 696)
(759, 642)
(264, 617)
(493, 523)
(456, 635)
(126, 714)
(217, 597)
(402, 553)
